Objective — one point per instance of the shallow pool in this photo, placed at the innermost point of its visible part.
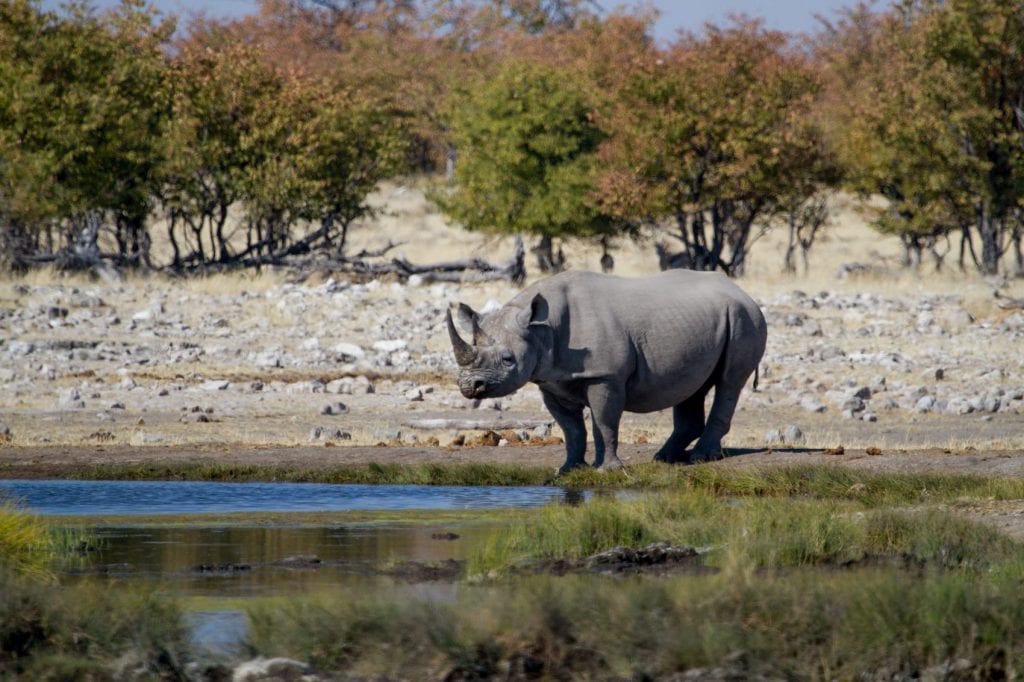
(62, 497)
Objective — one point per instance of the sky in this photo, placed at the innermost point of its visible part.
(794, 16)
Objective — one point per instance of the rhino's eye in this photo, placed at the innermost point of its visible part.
(508, 358)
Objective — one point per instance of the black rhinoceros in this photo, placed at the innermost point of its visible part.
(617, 344)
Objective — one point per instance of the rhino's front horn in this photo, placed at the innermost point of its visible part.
(464, 353)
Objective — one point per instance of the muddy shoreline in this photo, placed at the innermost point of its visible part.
(67, 461)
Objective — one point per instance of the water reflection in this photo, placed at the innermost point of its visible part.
(271, 561)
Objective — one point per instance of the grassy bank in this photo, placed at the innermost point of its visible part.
(372, 474)
(820, 482)
(52, 632)
(818, 573)
(755, 532)
(877, 624)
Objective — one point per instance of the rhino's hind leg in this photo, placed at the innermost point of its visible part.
(687, 426)
(727, 395)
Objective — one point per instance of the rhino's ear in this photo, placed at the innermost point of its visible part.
(471, 319)
(535, 315)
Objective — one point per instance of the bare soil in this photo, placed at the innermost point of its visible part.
(62, 461)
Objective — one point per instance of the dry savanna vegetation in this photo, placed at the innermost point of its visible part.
(227, 249)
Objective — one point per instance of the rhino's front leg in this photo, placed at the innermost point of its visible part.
(607, 401)
(569, 418)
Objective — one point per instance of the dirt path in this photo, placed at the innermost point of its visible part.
(62, 461)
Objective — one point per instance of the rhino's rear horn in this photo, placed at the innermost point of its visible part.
(464, 353)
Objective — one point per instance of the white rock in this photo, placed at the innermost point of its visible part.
(792, 434)
(924, 404)
(270, 670)
(300, 387)
(389, 345)
(812, 404)
(268, 359)
(348, 350)
(216, 385)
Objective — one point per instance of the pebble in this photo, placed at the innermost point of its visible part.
(387, 435)
(272, 670)
(812, 404)
(327, 433)
(215, 385)
(792, 434)
(334, 409)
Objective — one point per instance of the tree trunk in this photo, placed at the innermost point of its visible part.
(789, 262)
(911, 251)
(547, 260)
(1018, 253)
(988, 228)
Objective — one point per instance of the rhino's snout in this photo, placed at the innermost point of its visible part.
(473, 388)
(476, 388)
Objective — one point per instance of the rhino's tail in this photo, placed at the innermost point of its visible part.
(757, 372)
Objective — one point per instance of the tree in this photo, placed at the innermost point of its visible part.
(931, 120)
(222, 129)
(80, 124)
(527, 144)
(713, 134)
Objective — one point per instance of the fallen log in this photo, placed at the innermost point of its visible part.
(1007, 303)
(466, 270)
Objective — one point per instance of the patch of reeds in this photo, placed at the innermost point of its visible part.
(802, 624)
(31, 545)
(770, 532)
(87, 632)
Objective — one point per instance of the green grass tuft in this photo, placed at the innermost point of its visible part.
(373, 473)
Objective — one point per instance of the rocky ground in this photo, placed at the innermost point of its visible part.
(240, 367)
(157, 364)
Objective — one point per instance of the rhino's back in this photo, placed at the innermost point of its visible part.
(663, 335)
(672, 298)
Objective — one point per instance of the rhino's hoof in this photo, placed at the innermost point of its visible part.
(569, 466)
(705, 456)
(610, 465)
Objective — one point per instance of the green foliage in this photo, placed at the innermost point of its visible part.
(81, 117)
(526, 141)
(932, 118)
(27, 544)
(773, 518)
(801, 624)
(84, 632)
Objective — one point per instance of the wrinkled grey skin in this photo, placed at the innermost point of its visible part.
(615, 344)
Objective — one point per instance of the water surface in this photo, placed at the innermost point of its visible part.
(61, 497)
